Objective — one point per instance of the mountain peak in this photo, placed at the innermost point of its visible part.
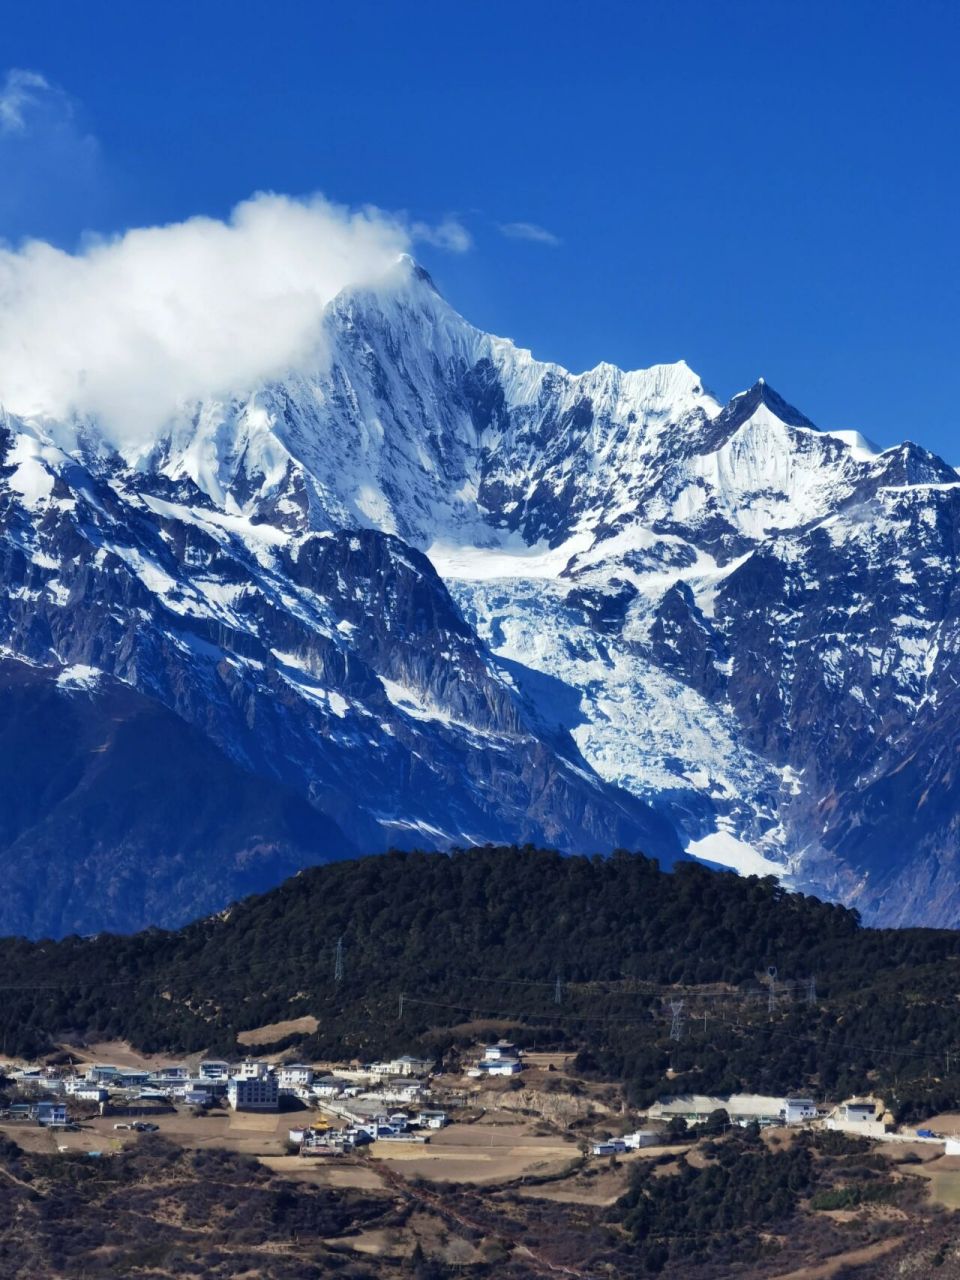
(414, 271)
(744, 405)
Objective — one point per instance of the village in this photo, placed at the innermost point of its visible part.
(310, 1111)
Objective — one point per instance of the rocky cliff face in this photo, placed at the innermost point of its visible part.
(434, 591)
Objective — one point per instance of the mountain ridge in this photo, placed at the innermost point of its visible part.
(514, 603)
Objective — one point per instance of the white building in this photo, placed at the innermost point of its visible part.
(251, 1070)
(857, 1117)
(614, 1147)
(500, 1067)
(742, 1108)
(502, 1049)
(408, 1065)
(331, 1086)
(432, 1119)
(799, 1110)
(91, 1093)
(213, 1069)
(295, 1076)
(642, 1138)
(858, 1112)
(402, 1091)
(254, 1095)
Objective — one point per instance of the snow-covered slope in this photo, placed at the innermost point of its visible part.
(446, 592)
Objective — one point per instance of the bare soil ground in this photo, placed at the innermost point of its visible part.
(272, 1031)
(544, 1061)
(839, 1264)
(947, 1122)
(322, 1172)
(118, 1053)
(244, 1132)
(481, 1153)
(602, 1189)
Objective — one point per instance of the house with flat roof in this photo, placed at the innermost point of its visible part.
(254, 1095)
(502, 1049)
(294, 1075)
(742, 1108)
(51, 1113)
(799, 1110)
(213, 1069)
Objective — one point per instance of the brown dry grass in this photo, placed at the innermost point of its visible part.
(321, 1172)
(944, 1178)
(850, 1258)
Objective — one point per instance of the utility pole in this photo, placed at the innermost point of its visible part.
(772, 994)
(811, 991)
(338, 963)
(558, 992)
(400, 1008)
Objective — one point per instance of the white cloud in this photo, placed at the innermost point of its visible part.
(21, 91)
(52, 180)
(130, 329)
(528, 231)
(449, 234)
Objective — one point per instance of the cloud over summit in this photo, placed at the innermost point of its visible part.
(130, 329)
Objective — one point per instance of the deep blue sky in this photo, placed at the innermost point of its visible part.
(756, 187)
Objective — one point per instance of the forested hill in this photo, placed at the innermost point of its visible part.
(484, 934)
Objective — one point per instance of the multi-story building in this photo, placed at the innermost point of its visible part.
(254, 1095)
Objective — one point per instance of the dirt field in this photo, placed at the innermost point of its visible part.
(324, 1172)
(544, 1061)
(277, 1030)
(480, 1153)
(948, 1122)
(118, 1053)
(602, 1189)
(852, 1258)
(245, 1132)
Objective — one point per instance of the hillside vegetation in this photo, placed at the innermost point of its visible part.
(478, 938)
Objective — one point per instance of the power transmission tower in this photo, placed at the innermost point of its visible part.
(338, 963)
(811, 991)
(772, 993)
(676, 1022)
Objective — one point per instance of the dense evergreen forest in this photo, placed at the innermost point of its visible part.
(476, 941)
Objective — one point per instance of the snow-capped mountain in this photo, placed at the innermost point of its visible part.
(434, 591)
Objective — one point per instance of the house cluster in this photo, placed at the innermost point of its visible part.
(751, 1108)
(52, 1115)
(500, 1059)
(629, 1142)
(250, 1085)
(361, 1123)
